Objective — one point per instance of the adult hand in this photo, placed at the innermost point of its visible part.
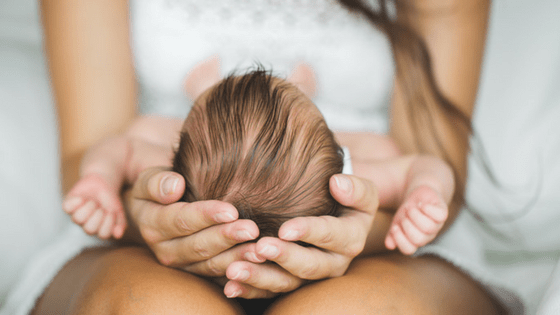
(198, 237)
(338, 241)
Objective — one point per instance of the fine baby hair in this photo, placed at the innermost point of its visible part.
(257, 142)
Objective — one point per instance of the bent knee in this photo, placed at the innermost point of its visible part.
(130, 281)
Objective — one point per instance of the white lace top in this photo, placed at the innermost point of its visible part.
(351, 59)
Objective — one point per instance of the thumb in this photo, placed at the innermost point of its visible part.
(354, 192)
(160, 185)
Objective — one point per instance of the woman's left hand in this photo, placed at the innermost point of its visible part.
(337, 241)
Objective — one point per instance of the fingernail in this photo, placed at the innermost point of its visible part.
(169, 184)
(343, 183)
(269, 251)
(242, 275)
(252, 257)
(244, 235)
(235, 294)
(290, 235)
(224, 217)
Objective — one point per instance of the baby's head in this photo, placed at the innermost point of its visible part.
(257, 142)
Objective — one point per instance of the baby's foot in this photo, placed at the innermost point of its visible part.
(96, 206)
(417, 221)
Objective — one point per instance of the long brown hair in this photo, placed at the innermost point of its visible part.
(415, 76)
(261, 145)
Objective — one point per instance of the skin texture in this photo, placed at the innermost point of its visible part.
(83, 88)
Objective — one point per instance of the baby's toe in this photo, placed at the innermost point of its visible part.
(413, 234)
(106, 226)
(71, 204)
(93, 223)
(416, 236)
(81, 215)
(424, 223)
(390, 242)
(120, 225)
(404, 245)
(110, 201)
(435, 212)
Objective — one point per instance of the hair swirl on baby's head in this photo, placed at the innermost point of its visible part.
(257, 142)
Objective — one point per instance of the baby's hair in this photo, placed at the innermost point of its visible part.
(255, 141)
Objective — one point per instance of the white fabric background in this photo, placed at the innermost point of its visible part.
(29, 193)
(36, 237)
(517, 118)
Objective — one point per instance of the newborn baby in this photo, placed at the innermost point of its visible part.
(259, 143)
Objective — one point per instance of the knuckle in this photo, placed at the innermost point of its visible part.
(309, 272)
(165, 258)
(200, 248)
(340, 270)
(326, 238)
(214, 269)
(182, 225)
(150, 236)
(353, 250)
(281, 286)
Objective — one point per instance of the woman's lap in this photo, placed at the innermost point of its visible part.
(392, 284)
(129, 280)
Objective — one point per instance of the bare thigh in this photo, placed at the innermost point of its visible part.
(391, 284)
(129, 280)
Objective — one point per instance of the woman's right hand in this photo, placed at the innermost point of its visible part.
(198, 237)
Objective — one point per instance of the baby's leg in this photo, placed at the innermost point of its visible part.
(95, 205)
(417, 221)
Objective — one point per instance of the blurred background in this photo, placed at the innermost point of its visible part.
(29, 189)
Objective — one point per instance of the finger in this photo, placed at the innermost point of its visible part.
(109, 201)
(413, 234)
(422, 221)
(303, 262)
(184, 219)
(217, 265)
(120, 225)
(71, 204)
(436, 213)
(83, 213)
(404, 245)
(160, 185)
(234, 289)
(267, 276)
(390, 242)
(354, 192)
(106, 227)
(180, 252)
(93, 222)
(345, 235)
